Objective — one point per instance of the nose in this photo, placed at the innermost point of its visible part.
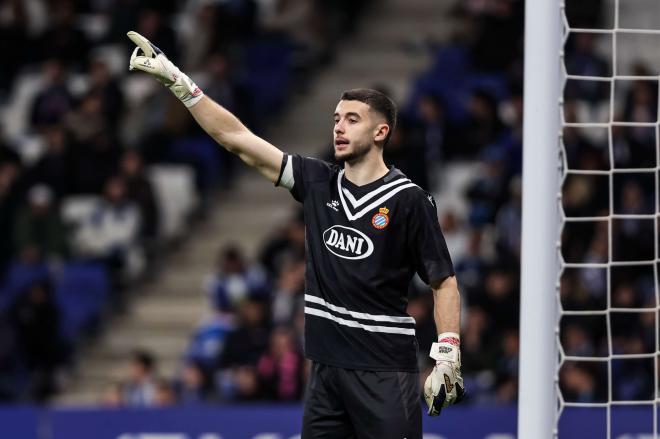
(339, 127)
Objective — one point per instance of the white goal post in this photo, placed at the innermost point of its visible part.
(537, 398)
(620, 125)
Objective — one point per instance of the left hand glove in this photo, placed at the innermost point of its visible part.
(444, 386)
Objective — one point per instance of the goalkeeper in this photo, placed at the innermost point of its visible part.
(368, 230)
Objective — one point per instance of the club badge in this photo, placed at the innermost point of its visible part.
(381, 220)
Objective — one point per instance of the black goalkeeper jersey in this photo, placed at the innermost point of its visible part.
(363, 246)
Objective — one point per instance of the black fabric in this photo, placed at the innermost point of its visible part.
(345, 403)
(364, 244)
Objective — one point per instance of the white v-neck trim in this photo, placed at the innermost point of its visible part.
(368, 196)
(387, 196)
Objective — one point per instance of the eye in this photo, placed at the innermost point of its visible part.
(352, 120)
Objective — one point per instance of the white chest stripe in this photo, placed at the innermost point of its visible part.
(376, 203)
(367, 197)
(359, 315)
(354, 324)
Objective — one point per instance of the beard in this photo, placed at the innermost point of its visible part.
(359, 151)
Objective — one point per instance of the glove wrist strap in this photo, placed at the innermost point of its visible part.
(450, 337)
(447, 348)
(186, 90)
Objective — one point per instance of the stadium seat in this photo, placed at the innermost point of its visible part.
(19, 277)
(81, 290)
(174, 187)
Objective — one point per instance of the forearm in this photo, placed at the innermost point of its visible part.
(231, 134)
(218, 122)
(224, 127)
(447, 306)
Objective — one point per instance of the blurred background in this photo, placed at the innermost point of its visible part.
(143, 266)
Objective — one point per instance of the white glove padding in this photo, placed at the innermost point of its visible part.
(444, 386)
(151, 59)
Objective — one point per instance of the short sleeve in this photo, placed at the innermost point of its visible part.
(426, 243)
(297, 173)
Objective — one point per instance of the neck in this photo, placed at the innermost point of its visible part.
(368, 168)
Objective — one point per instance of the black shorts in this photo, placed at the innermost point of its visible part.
(361, 404)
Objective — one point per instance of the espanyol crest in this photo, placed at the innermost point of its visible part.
(347, 243)
(381, 220)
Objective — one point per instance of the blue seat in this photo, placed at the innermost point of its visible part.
(81, 290)
(268, 74)
(19, 277)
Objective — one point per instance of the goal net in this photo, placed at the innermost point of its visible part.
(609, 204)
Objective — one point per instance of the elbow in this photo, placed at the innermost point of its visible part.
(448, 284)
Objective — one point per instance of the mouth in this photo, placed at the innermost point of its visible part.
(341, 143)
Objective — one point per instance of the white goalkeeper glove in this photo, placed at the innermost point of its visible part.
(444, 386)
(151, 59)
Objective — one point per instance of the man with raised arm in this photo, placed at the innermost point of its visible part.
(368, 230)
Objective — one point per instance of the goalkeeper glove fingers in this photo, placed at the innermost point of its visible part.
(444, 386)
(151, 59)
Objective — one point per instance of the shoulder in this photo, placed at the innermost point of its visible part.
(413, 194)
(312, 168)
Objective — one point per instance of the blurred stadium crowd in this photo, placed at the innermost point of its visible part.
(100, 172)
(83, 206)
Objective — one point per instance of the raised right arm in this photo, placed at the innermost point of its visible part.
(223, 126)
(228, 131)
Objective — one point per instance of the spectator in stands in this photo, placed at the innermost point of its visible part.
(641, 106)
(154, 26)
(39, 234)
(106, 87)
(110, 232)
(289, 294)
(431, 130)
(96, 148)
(234, 282)
(406, 152)
(193, 385)
(62, 38)
(576, 341)
(578, 384)
(55, 100)
(297, 20)
(140, 191)
(483, 126)
(500, 298)
(582, 59)
(35, 319)
(164, 395)
(498, 35)
(287, 245)
(56, 167)
(488, 191)
(113, 396)
(249, 340)
(280, 369)
(200, 39)
(14, 39)
(140, 387)
(208, 340)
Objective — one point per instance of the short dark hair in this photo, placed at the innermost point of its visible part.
(378, 102)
